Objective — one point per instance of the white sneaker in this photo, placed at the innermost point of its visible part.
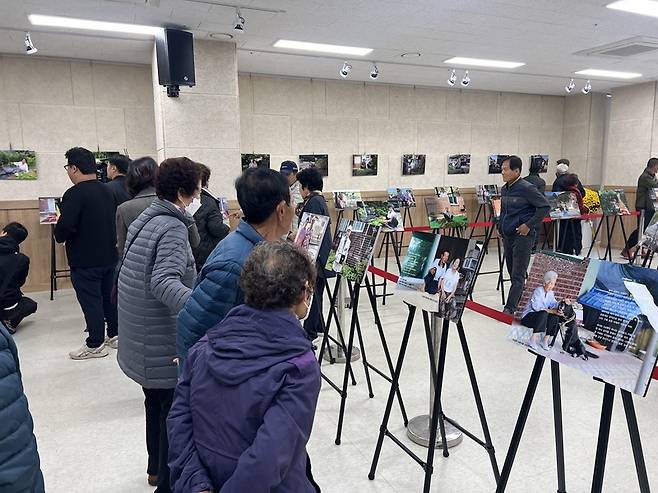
(86, 352)
(112, 342)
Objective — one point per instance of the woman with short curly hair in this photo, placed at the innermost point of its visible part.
(252, 383)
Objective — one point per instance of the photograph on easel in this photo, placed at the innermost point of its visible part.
(539, 162)
(401, 197)
(485, 192)
(49, 210)
(413, 164)
(441, 213)
(311, 232)
(364, 164)
(564, 205)
(496, 163)
(352, 248)
(438, 272)
(653, 197)
(459, 164)
(595, 316)
(255, 161)
(614, 203)
(347, 199)
(380, 213)
(649, 239)
(222, 202)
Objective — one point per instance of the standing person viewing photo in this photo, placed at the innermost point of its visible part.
(264, 198)
(245, 401)
(117, 167)
(87, 225)
(155, 280)
(643, 204)
(523, 208)
(289, 169)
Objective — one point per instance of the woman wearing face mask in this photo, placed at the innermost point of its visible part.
(155, 279)
(245, 401)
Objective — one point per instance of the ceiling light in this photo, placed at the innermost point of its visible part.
(642, 7)
(323, 48)
(411, 54)
(453, 78)
(570, 86)
(345, 71)
(466, 80)
(479, 62)
(608, 95)
(611, 74)
(587, 87)
(30, 49)
(52, 21)
(374, 73)
(239, 21)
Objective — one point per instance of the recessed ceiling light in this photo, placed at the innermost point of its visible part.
(479, 62)
(642, 7)
(609, 74)
(411, 54)
(322, 48)
(221, 36)
(52, 21)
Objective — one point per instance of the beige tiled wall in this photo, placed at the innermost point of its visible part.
(287, 117)
(49, 106)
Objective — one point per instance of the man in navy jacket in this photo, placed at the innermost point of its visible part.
(264, 198)
(523, 208)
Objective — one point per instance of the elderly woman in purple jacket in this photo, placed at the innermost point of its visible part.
(245, 400)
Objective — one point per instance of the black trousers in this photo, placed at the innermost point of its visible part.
(157, 403)
(517, 258)
(313, 324)
(93, 288)
(571, 237)
(26, 306)
(634, 238)
(542, 322)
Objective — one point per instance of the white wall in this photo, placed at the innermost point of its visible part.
(287, 117)
(49, 106)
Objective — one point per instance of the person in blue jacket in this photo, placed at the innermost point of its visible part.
(264, 197)
(245, 401)
(20, 470)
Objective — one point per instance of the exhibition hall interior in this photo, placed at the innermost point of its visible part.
(340, 246)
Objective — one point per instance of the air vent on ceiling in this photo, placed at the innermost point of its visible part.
(631, 47)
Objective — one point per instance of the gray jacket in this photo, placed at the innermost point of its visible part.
(131, 209)
(155, 280)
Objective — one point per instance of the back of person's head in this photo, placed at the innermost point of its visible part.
(120, 162)
(561, 169)
(260, 191)
(535, 167)
(571, 180)
(276, 275)
(16, 231)
(564, 161)
(177, 175)
(515, 163)
(653, 163)
(141, 174)
(205, 175)
(81, 158)
(311, 179)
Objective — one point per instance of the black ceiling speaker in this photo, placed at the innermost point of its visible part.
(175, 53)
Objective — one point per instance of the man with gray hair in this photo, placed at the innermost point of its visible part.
(561, 172)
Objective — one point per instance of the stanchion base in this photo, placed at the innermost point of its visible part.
(418, 432)
(339, 355)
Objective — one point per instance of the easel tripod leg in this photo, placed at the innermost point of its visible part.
(636, 443)
(557, 419)
(604, 436)
(364, 359)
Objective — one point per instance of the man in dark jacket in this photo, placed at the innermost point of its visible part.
(643, 202)
(14, 267)
(87, 225)
(117, 167)
(534, 178)
(264, 197)
(561, 172)
(209, 221)
(523, 209)
(20, 470)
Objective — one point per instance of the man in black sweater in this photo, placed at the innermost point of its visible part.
(117, 167)
(523, 208)
(87, 225)
(14, 267)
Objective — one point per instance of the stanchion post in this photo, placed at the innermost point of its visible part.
(53, 263)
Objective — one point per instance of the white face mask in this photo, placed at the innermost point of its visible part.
(308, 309)
(193, 207)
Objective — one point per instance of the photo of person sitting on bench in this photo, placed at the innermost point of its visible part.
(542, 313)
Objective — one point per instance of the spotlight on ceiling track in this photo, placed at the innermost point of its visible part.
(453, 78)
(466, 80)
(239, 21)
(30, 49)
(345, 71)
(587, 88)
(374, 73)
(570, 86)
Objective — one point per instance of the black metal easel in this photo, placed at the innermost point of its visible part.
(604, 431)
(389, 240)
(610, 229)
(55, 273)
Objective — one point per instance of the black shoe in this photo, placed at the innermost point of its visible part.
(509, 311)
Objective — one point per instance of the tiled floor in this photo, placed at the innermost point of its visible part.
(89, 417)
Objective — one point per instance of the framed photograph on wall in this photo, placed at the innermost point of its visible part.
(539, 162)
(319, 161)
(496, 163)
(255, 161)
(459, 164)
(18, 165)
(364, 164)
(413, 164)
